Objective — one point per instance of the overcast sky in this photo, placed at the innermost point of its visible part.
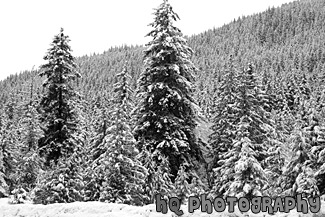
(28, 26)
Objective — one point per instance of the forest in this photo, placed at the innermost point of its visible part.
(233, 111)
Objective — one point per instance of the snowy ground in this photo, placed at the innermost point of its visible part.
(97, 209)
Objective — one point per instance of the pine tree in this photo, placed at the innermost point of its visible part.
(10, 137)
(158, 179)
(241, 171)
(99, 125)
(224, 115)
(122, 173)
(29, 162)
(318, 150)
(59, 102)
(166, 113)
(4, 187)
(278, 152)
(249, 177)
(298, 174)
(63, 183)
(315, 137)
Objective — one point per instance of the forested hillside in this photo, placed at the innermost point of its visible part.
(280, 42)
(259, 84)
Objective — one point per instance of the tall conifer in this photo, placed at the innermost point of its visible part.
(122, 175)
(59, 101)
(166, 112)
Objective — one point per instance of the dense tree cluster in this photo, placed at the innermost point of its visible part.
(234, 111)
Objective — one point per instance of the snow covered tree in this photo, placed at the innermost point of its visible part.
(306, 183)
(10, 137)
(63, 138)
(249, 177)
(241, 171)
(251, 104)
(158, 179)
(4, 188)
(298, 174)
(182, 185)
(184, 189)
(29, 162)
(318, 150)
(224, 117)
(98, 125)
(59, 102)
(63, 184)
(315, 137)
(166, 113)
(121, 172)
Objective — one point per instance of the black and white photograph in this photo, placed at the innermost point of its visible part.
(147, 108)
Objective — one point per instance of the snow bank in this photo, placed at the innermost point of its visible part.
(97, 209)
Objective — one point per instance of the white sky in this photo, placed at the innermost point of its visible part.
(27, 27)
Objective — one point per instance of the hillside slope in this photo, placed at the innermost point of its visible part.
(280, 42)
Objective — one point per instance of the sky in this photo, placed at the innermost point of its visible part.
(28, 27)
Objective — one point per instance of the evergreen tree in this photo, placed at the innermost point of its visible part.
(181, 184)
(184, 189)
(63, 183)
(248, 178)
(10, 137)
(59, 102)
(98, 124)
(298, 174)
(315, 137)
(318, 150)
(122, 173)
(241, 171)
(166, 112)
(224, 117)
(158, 179)
(278, 152)
(4, 187)
(29, 162)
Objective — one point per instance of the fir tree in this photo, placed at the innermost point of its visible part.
(29, 162)
(241, 171)
(166, 112)
(249, 177)
(182, 186)
(224, 115)
(62, 184)
(98, 125)
(59, 102)
(158, 179)
(121, 172)
(4, 187)
(318, 150)
(298, 174)
(315, 137)
(10, 137)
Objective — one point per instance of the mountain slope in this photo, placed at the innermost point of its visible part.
(279, 42)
